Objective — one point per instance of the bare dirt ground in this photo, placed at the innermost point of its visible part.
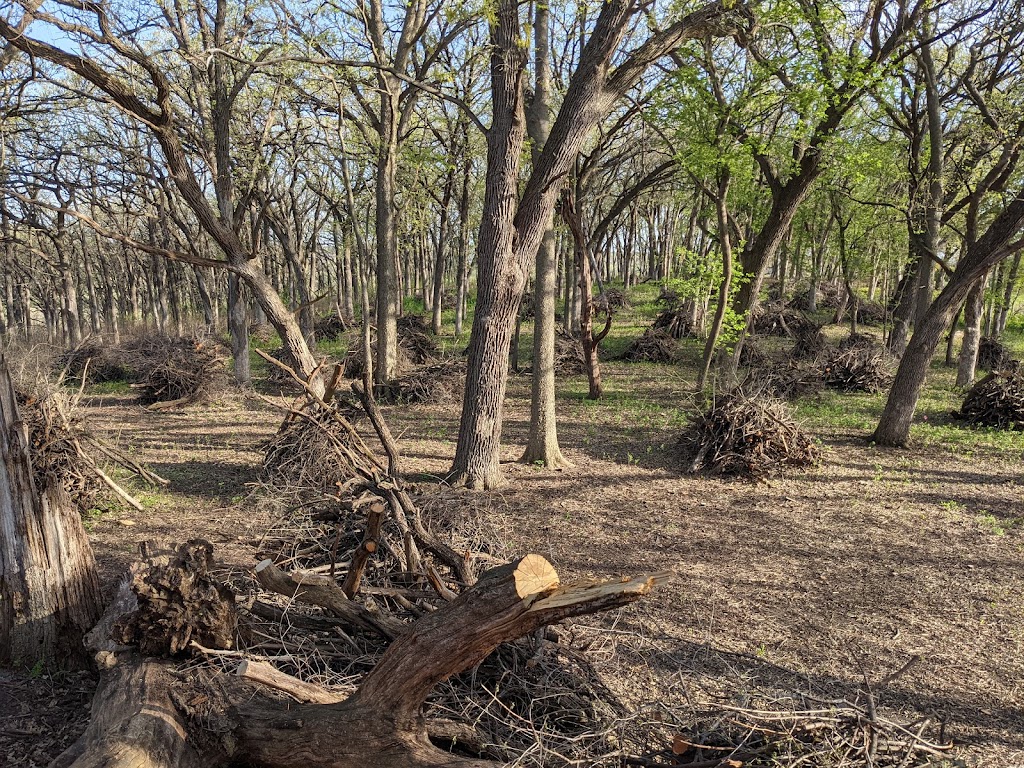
(810, 583)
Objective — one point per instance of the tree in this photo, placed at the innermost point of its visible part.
(144, 90)
(513, 224)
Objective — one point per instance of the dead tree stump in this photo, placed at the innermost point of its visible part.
(49, 589)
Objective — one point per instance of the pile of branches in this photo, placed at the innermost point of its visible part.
(611, 300)
(441, 383)
(354, 361)
(677, 322)
(789, 382)
(371, 558)
(993, 355)
(172, 371)
(668, 296)
(780, 320)
(746, 434)
(569, 357)
(264, 333)
(62, 450)
(830, 295)
(842, 733)
(871, 312)
(996, 400)
(808, 343)
(92, 362)
(654, 346)
(860, 364)
(415, 336)
(752, 355)
(331, 327)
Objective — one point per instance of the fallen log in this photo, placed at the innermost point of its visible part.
(142, 718)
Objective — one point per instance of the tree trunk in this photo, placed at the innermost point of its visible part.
(238, 326)
(49, 589)
(972, 334)
(722, 211)
(542, 441)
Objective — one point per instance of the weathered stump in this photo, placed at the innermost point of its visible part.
(49, 589)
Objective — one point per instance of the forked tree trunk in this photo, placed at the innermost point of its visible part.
(49, 590)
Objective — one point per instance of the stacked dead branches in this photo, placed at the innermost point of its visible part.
(752, 355)
(354, 360)
(654, 346)
(780, 320)
(742, 434)
(415, 337)
(677, 322)
(790, 381)
(64, 451)
(176, 370)
(871, 312)
(829, 295)
(668, 296)
(861, 364)
(527, 306)
(993, 355)
(611, 300)
(834, 733)
(809, 343)
(569, 357)
(92, 362)
(332, 327)
(996, 400)
(438, 384)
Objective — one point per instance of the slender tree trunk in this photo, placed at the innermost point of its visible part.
(722, 212)
(973, 310)
(1004, 308)
(542, 441)
(238, 326)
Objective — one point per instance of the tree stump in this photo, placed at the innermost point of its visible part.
(49, 588)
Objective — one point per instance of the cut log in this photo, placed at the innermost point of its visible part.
(49, 589)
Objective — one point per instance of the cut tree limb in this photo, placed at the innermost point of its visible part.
(322, 591)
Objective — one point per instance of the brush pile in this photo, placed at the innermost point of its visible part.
(809, 343)
(611, 300)
(331, 327)
(355, 362)
(871, 313)
(439, 384)
(415, 336)
(861, 364)
(780, 320)
(62, 450)
(830, 295)
(789, 382)
(752, 435)
(668, 296)
(96, 361)
(993, 355)
(996, 400)
(569, 358)
(752, 355)
(371, 558)
(172, 371)
(527, 306)
(655, 346)
(677, 322)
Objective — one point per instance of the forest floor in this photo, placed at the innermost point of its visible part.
(812, 582)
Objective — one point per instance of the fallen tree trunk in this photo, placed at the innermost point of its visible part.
(381, 724)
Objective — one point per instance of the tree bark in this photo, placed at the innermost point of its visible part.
(49, 589)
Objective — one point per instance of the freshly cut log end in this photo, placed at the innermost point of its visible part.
(534, 575)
